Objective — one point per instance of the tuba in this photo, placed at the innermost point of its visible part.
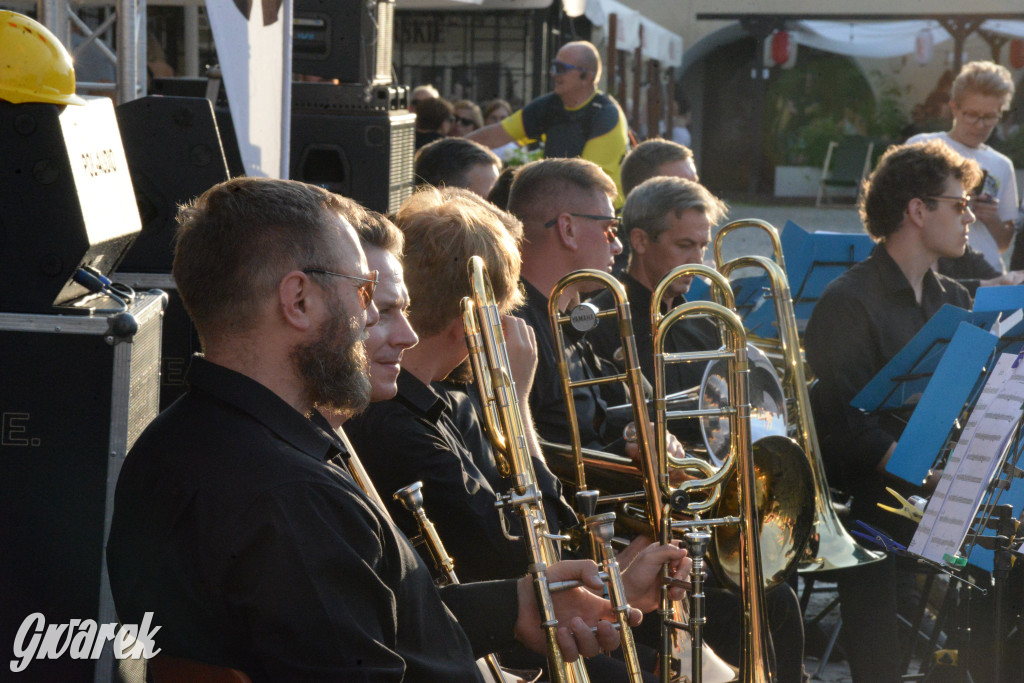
(503, 421)
(831, 546)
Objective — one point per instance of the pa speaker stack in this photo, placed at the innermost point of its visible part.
(351, 131)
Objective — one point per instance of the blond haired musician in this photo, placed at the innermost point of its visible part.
(917, 207)
(431, 433)
(236, 521)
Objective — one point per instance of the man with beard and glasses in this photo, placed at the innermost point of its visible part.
(236, 522)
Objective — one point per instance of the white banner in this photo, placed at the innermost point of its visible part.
(253, 45)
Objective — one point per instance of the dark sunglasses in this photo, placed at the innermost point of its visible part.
(463, 121)
(558, 68)
(365, 289)
(962, 203)
(611, 231)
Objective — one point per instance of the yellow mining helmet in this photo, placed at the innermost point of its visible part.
(34, 66)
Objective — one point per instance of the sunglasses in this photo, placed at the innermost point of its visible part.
(365, 289)
(463, 121)
(611, 231)
(962, 203)
(558, 68)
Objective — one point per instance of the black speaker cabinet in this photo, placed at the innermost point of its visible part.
(76, 393)
(350, 40)
(174, 155)
(180, 340)
(364, 157)
(66, 201)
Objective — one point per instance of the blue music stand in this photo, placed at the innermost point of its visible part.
(952, 382)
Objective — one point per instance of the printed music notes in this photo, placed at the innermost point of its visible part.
(973, 463)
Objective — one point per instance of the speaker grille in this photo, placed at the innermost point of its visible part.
(385, 41)
(403, 148)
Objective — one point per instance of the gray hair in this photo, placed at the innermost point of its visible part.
(648, 205)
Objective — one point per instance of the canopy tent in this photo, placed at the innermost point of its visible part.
(862, 38)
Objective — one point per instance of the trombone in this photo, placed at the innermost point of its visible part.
(831, 546)
(491, 366)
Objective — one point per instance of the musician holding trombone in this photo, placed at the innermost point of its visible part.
(668, 221)
(430, 432)
(234, 522)
(917, 207)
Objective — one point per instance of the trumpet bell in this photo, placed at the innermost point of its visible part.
(784, 491)
(767, 403)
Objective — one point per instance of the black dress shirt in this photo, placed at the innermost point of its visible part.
(695, 334)
(546, 402)
(861, 321)
(422, 435)
(235, 524)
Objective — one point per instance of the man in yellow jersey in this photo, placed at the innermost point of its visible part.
(575, 120)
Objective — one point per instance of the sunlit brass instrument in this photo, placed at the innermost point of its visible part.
(785, 512)
(486, 342)
(831, 546)
(675, 646)
(756, 666)
(772, 348)
(412, 498)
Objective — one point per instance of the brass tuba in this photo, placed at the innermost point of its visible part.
(831, 546)
(486, 342)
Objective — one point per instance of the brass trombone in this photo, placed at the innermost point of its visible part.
(486, 342)
(831, 546)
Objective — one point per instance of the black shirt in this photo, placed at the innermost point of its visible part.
(694, 334)
(546, 402)
(863, 319)
(257, 551)
(415, 437)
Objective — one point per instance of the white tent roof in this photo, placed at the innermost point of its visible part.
(884, 38)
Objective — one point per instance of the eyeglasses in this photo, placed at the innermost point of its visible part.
(972, 118)
(463, 121)
(558, 68)
(962, 203)
(611, 231)
(365, 289)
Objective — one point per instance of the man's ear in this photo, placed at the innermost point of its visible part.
(296, 293)
(916, 211)
(568, 231)
(639, 241)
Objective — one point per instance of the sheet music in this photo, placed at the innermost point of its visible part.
(972, 464)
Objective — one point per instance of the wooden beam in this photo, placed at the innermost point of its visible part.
(613, 52)
(638, 77)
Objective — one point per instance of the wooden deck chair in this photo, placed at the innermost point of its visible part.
(847, 163)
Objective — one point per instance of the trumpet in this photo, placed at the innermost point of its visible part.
(831, 546)
(486, 343)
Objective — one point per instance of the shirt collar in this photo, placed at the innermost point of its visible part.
(419, 396)
(249, 396)
(893, 279)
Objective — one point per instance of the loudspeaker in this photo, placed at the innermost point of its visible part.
(181, 86)
(180, 340)
(367, 158)
(77, 392)
(174, 155)
(350, 40)
(67, 201)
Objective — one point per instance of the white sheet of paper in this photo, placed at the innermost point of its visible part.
(971, 466)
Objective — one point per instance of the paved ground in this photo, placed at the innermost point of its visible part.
(843, 219)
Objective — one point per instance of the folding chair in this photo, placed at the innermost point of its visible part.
(847, 163)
